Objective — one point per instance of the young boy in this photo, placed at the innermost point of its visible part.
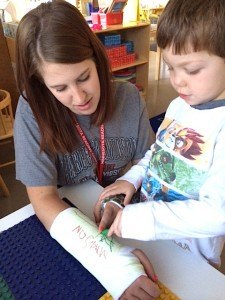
(183, 175)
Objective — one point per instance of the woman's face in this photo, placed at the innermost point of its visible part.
(75, 85)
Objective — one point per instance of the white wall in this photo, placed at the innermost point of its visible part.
(152, 3)
(131, 11)
(16, 9)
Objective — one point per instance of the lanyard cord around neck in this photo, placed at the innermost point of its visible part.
(99, 163)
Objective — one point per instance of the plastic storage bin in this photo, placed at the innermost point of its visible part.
(111, 18)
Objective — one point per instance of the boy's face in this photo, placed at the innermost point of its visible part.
(198, 77)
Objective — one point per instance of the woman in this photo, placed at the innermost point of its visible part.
(72, 124)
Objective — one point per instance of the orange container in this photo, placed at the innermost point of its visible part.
(111, 18)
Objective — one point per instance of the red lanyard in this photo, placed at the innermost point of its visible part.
(99, 163)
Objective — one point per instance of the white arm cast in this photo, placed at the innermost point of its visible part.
(113, 265)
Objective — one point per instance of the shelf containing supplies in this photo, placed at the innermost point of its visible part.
(139, 34)
(137, 62)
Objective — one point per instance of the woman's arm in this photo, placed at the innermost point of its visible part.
(61, 221)
(46, 203)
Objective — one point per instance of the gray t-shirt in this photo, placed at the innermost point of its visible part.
(127, 137)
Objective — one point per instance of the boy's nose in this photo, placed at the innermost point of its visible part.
(179, 81)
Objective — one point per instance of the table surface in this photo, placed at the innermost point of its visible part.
(189, 277)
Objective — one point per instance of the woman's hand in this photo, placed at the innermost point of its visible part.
(119, 187)
(144, 287)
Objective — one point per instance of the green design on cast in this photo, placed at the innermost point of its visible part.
(108, 240)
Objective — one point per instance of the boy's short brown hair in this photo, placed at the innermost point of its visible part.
(194, 25)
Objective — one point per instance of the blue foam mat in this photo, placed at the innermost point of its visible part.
(35, 266)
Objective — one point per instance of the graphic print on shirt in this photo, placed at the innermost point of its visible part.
(119, 150)
(184, 141)
(174, 172)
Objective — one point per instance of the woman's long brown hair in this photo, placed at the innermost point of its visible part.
(57, 32)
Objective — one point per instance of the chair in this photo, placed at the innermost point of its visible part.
(6, 130)
(4, 187)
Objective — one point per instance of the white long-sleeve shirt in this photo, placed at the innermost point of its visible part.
(183, 182)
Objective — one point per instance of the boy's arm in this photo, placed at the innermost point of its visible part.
(117, 188)
(129, 183)
(137, 172)
(201, 218)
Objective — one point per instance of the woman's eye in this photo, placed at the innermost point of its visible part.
(60, 89)
(83, 79)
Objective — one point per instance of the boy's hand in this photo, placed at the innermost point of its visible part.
(116, 225)
(105, 218)
(119, 187)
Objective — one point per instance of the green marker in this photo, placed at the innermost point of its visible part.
(105, 232)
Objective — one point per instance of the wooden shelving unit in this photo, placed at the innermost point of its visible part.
(139, 33)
